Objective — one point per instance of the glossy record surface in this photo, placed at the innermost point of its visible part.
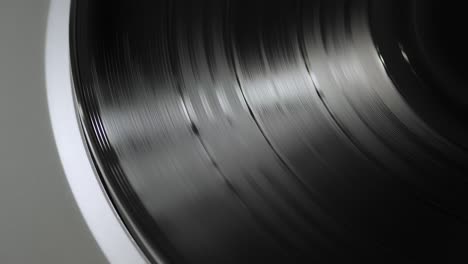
(268, 132)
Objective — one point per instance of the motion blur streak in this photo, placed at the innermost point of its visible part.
(268, 131)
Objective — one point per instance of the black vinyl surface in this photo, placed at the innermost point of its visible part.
(268, 131)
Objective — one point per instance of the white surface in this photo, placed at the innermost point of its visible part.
(39, 220)
(107, 228)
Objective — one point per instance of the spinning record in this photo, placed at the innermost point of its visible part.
(268, 131)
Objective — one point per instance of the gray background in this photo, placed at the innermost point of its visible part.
(39, 220)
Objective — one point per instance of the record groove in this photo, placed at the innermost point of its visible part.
(272, 131)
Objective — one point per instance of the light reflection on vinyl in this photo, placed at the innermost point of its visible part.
(267, 131)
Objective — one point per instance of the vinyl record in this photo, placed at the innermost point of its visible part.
(269, 131)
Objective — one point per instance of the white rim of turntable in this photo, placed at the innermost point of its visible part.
(106, 226)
